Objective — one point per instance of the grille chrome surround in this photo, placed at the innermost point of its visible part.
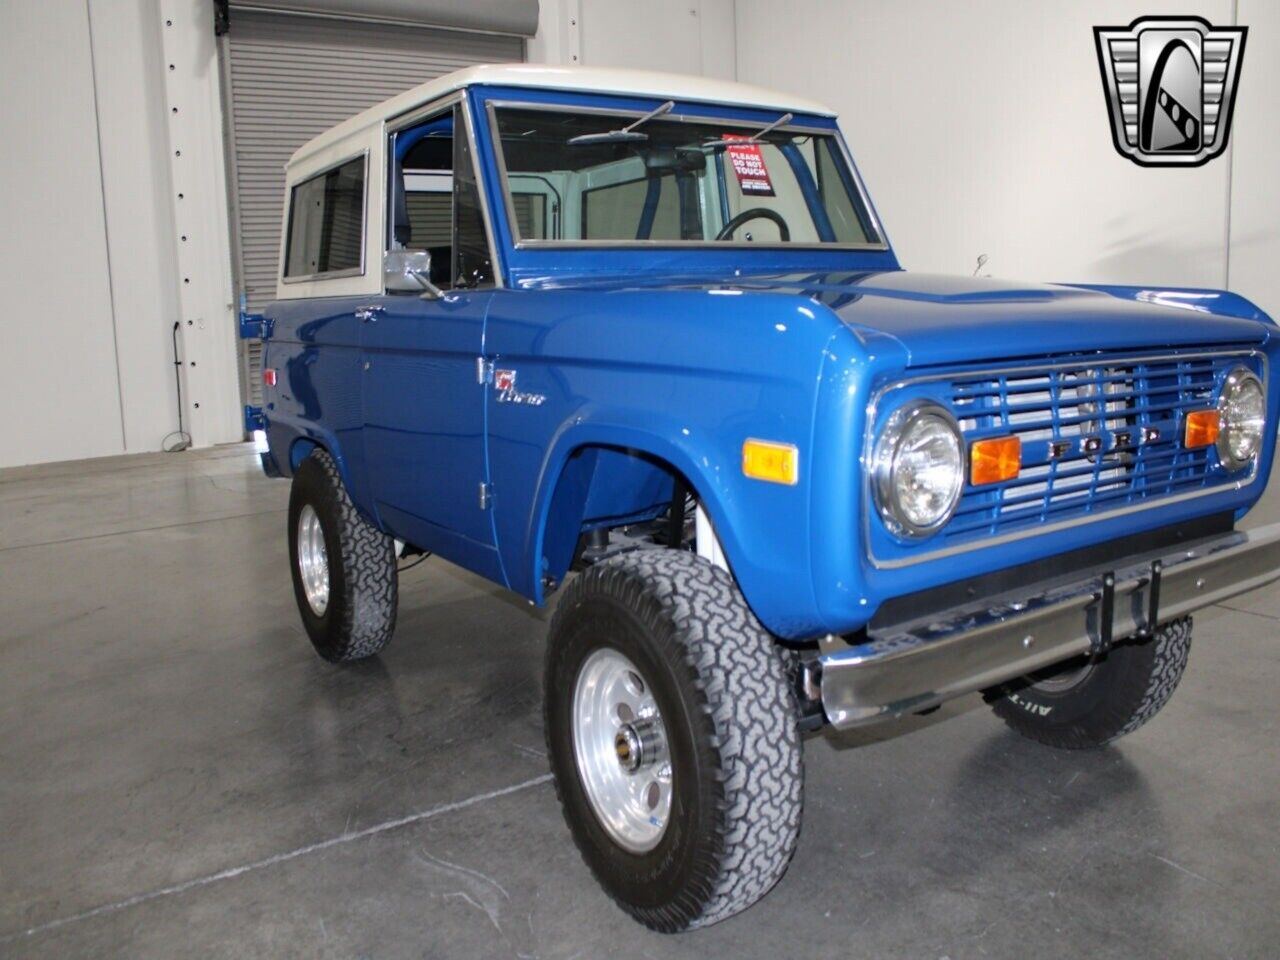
(1101, 437)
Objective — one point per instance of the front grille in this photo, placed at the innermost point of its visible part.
(1131, 408)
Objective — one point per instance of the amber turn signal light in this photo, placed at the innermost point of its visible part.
(774, 462)
(1202, 429)
(994, 460)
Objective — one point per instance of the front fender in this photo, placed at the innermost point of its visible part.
(680, 376)
(769, 560)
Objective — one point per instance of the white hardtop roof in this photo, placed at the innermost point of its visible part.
(670, 86)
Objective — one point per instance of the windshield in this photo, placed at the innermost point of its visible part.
(603, 178)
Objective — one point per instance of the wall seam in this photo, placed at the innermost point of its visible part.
(700, 13)
(1231, 167)
(733, 16)
(106, 233)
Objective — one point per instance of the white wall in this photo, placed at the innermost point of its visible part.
(88, 251)
(1254, 266)
(99, 257)
(981, 128)
(135, 179)
(680, 36)
(57, 342)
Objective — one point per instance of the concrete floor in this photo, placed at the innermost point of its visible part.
(181, 777)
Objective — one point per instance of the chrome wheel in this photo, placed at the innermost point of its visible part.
(620, 746)
(313, 560)
(1067, 678)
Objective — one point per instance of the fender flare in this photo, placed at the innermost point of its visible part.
(623, 428)
(299, 438)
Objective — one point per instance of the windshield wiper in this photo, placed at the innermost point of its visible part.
(627, 134)
(755, 138)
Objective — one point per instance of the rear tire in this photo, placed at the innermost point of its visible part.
(675, 632)
(1089, 702)
(344, 568)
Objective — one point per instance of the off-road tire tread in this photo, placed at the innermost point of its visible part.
(367, 555)
(702, 620)
(1144, 675)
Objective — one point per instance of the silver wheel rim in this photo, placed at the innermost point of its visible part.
(620, 746)
(1065, 680)
(313, 561)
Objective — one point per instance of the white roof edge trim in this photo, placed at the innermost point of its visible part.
(612, 80)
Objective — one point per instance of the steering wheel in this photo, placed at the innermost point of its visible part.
(755, 213)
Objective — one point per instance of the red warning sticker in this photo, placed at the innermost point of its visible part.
(748, 166)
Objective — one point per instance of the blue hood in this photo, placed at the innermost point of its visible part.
(938, 319)
(943, 320)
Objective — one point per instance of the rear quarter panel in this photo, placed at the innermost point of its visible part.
(315, 350)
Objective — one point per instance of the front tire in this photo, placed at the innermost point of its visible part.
(695, 813)
(344, 568)
(1090, 702)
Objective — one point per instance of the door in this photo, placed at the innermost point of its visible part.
(424, 411)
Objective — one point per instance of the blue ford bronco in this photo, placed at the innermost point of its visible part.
(648, 330)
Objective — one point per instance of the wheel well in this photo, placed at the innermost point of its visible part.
(603, 486)
(300, 450)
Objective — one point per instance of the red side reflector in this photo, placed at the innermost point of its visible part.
(269, 377)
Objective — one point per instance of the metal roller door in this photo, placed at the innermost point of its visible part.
(291, 77)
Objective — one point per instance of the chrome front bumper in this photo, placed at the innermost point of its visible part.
(913, 666)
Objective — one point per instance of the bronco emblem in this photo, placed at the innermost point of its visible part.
(1170, 84)
(504, 381)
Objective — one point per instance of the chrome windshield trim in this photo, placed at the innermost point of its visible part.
(492, 106)
(868, 442)
(499, 281)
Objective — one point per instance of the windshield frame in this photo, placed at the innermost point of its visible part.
(683, 113)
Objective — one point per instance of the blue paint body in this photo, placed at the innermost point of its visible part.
(667, 359)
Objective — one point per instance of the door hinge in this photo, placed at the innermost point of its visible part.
(486, 495)
(484, 371)
(254, 326)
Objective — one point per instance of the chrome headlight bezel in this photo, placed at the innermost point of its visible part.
(1236, 380)
(885, 462)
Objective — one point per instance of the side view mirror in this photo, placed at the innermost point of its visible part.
(410, 271)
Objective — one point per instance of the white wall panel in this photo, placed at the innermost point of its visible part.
(131, 108)
(200, 231)
(981, 128)
(1255, 147)
(679, 36)
(58, 387)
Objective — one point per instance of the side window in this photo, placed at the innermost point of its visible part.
(435, 201)
(326, 223)
(473, 266)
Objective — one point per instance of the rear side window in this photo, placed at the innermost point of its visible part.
(326, 223)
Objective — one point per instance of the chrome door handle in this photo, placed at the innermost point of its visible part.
(370, 313)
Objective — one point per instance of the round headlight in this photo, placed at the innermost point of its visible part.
(1242, 410)
(919, 469)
